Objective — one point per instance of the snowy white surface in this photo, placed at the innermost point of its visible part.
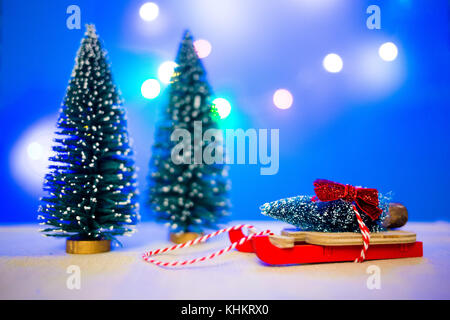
(35, 267)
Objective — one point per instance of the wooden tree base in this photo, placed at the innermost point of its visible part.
(87, 246)
(184, 237)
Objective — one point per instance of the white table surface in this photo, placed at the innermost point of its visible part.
(35, 267)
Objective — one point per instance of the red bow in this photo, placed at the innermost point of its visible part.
(366, 199)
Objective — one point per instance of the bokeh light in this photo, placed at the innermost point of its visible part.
(35, 150)
(149, 11)
(388, 51)
(166, 70)
(283, 99)
(29, 156)
(332, 63)
(150, 89)
(203, 48)
(223, 107)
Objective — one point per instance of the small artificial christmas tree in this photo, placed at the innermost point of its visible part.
(92, 185)
(193, 196)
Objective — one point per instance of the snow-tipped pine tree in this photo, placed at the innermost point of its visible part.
(189, 197)
(92, 184)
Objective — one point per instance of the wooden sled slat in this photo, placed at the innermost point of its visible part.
(344, 238)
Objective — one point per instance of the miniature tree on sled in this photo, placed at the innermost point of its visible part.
(189, 197)
(92, 183)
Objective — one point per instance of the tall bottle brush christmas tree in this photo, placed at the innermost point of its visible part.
(189, 197)
(91, 185)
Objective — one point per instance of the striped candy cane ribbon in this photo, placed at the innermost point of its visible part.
(365, 234)
(147, 256)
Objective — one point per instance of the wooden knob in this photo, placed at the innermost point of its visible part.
(397, 217)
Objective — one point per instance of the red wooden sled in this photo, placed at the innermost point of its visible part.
(314, 247)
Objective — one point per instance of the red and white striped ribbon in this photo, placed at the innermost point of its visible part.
(365, 235)
(148, 254)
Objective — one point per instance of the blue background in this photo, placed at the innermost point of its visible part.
(378, 124)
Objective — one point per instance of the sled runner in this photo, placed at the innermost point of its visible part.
(298, 247)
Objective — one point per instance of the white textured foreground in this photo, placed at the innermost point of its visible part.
(35, 267)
